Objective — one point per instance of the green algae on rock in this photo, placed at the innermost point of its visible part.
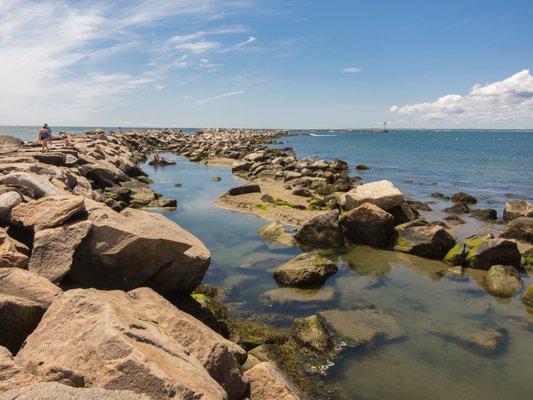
(305, 270)
(275, 232)
(502, 280)
(311, 333)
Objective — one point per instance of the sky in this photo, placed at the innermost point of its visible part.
(267, 63)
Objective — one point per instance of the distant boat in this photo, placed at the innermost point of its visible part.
(385, 130)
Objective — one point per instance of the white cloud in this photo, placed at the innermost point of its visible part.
(51, 51)
(159, 87)
(239, 45)
(220, 96)
(199, 47)
(507, 100)
(351, 70)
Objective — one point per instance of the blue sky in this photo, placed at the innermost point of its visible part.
(258, 63)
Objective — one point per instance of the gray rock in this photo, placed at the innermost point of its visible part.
(520, 229)
(380, 193)
(8, 201)
(502, 280)
(368, 224)
(321, 231)
(311, 333)
(244, 189)
(425, 241)
(38, 185)
(307, 269)
(517, 208)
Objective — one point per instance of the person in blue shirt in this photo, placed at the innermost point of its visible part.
(45, 136)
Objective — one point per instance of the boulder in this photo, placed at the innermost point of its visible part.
(275, 231)
(137, 248)
(430, 241)
(240, 167)
(459, 208)
(307, 269)
(368, 224)
(527, 296)
(380, 193)
(57, 391)
(220, 357)
(267, 382)
(520, 229)
(291, 297)
(47, 212)
(463, 197)
(502, 280)
(361, 327)
(311, 333)
(488, 214)
(35, 185)
(517, 208)
(403, 213)
(99, 339)
(8, 200)
(483, 251)
(12, 375)
(440, 196)
(10, 254)
(54, 249)
(321, 231)
(10, 142)
(57, 159)
(479, 338)
(24, 297)
(244, 189)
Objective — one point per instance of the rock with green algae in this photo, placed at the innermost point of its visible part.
(305, 270)
(275, 232)
(420, 238)
(311, 333)
(527, 296)
(502, 280)
(297, 297)
(527, 259)
(362, 327)
(483, 251)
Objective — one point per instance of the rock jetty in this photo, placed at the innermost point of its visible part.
(92, 284)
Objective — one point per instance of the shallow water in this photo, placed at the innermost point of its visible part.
(412, 289)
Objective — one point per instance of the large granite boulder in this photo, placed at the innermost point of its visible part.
(321, 231)
(307, 269)
(502, 280)
(220, 357)
(24, 298)
(57, 391)
(54, 250)
(47, 212)
(424, 240)
(516, 209)
(368, 224)
(267, 382)
(10, 254)
(10, 142)
(137, 248)
(33, 185)
(8, 201)
(380, 193)
(11, 374)
(483, 251)
(520, 229)
(100, 339)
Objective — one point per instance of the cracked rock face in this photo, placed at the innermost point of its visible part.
(100, 339)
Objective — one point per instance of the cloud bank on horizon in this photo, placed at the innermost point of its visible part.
(258, 63)
(508, 100)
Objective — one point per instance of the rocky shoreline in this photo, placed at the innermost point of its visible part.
(101, 298)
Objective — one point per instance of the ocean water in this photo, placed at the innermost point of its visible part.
(423, 364)
(492, 165)
(412, 289)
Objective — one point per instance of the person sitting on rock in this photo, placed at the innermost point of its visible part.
(45, 136)
(66, 139)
